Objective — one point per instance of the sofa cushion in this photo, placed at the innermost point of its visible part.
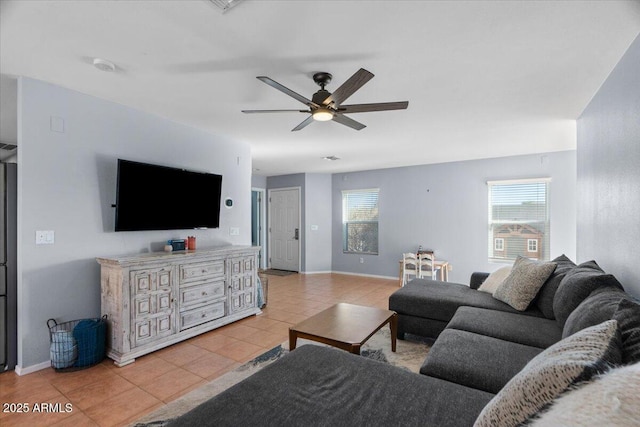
(570, 361)
(610, 399)
(628, 317)
(315, 385)
(495, 279)
(598, 307)
(544, 300)
(432, 299)
(526, 330)
(475, 360)
(576, 286)
(524, 282)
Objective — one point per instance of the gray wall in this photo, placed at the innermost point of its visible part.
(609, 174)
(318, 223)
(258, 181)
(67, 183)
(444, 207)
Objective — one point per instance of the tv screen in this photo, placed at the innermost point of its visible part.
(152, 197)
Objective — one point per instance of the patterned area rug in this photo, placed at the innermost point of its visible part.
(409, 355)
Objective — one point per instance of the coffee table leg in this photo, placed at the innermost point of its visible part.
(393, 324)
(355, 349)
(293, 338)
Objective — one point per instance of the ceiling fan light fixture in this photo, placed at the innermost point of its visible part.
(322, 115)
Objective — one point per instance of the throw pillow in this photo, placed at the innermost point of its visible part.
(595, 309)
(576, 287)
(524, 282)
(628, 317)
(610, 400)
(494, 280)
(544, 301)
(570, 361)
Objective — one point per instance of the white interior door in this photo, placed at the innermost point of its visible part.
(284, 229)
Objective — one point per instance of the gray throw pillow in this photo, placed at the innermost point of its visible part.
(567, 362)
(628, 317)
(495, 279)
(544, 300)
(598, 307)
(576, 286)
(523, 283)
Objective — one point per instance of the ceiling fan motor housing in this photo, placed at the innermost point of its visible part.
(320, 96)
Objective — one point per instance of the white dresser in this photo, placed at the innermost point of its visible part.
(157, 299)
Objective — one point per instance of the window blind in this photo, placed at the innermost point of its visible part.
(519, 219)
(360, 221)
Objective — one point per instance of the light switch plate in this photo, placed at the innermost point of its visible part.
(45, 237)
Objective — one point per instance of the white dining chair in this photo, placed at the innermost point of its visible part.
(409, 267)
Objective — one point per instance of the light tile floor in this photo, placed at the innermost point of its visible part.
(106, 395)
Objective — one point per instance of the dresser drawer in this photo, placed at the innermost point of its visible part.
(200, 271)
(193, 295)
(201, 315)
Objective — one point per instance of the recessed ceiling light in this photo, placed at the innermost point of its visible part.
(104, 65)
(331, 158)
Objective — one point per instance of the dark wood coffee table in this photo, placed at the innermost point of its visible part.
(345, 326)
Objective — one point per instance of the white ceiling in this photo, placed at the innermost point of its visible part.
(483, 78)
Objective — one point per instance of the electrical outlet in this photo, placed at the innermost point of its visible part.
(234, 231)
(361, 260)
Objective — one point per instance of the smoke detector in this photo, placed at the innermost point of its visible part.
(224, 5)
(104, 65)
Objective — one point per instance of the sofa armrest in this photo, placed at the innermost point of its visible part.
(477, 278)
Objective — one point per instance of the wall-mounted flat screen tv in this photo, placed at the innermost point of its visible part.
(152, 197)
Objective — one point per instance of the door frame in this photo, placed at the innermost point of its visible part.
(262, 193)
(301, 232)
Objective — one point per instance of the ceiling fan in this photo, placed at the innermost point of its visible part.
(325, 106)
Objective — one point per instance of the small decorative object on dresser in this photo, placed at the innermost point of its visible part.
(157, 299)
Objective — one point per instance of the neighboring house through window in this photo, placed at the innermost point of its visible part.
(360, 221)
(519, 219)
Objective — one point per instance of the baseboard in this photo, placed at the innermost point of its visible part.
(316, 272)
(33, 368)
(375, 276)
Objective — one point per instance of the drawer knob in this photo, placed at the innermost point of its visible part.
(204, 294)
(204, 315)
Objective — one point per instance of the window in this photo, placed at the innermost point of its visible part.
(360, 221)
(519, 219)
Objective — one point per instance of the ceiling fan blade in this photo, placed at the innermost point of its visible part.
(286, 90)
(379, 106)
(349, 87)
(344, 120)
(274, 111)
(305, 123)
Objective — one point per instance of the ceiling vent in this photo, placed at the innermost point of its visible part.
(224, 5)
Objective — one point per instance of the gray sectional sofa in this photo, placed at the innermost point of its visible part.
(482, 348)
